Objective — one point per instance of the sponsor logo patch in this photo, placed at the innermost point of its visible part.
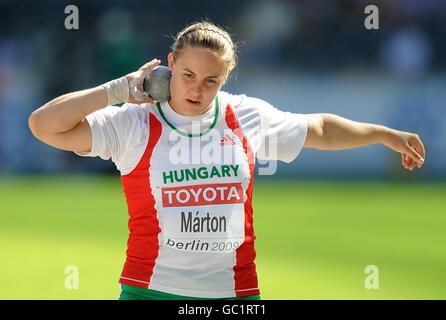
(203, 194)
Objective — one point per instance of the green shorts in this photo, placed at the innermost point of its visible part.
(136, 293)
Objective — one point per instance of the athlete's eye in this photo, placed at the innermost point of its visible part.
(211, 82)
(188, 75)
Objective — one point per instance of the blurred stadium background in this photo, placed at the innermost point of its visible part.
(319, 221)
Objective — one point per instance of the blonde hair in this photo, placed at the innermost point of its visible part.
(206, 34)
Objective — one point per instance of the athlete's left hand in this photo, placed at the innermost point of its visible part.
(410, 146)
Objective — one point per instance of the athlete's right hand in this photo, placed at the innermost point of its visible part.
(136, 80)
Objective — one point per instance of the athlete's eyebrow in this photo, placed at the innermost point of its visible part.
(194, 73)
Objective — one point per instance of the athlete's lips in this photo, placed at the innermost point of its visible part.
(193, 101)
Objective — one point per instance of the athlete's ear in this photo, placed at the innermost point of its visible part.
(170, 61)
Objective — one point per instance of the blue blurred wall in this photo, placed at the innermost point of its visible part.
(301, 56)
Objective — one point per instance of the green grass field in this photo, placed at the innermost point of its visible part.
(314, 240)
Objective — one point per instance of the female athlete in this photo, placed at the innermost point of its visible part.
(187, 164)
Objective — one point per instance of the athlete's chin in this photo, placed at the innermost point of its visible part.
(195, 107)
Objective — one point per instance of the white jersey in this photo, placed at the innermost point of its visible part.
(188, 183)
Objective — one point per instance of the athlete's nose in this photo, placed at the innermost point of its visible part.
(196, 92)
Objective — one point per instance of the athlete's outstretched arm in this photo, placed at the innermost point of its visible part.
(331, 132)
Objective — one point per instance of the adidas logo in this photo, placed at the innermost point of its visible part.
(227, 141)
